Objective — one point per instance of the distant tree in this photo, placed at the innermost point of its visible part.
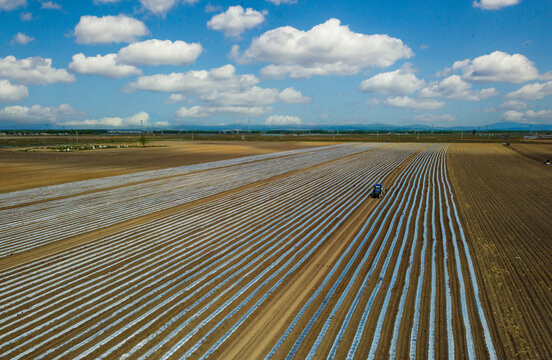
(142, 140)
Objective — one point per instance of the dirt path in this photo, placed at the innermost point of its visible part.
(505, 201)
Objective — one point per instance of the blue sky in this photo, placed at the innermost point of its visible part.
(167, 63)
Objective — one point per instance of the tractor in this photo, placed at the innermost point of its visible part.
(378, 191)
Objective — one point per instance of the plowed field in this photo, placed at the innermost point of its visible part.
(505, 201)
(275, 256)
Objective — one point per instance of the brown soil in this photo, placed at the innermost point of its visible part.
(538, 152)
(505, 201)
(24, 170)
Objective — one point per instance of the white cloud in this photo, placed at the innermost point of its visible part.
(291, 96)
(236, 20)
(529, 116)
(161, 7)
(326, 49)
(36, 114)
(398, 82)
(12, 4)
(96, 2)
(159, 52)
(204, 111)
(21, 39)
(220, 89)
(174, 99)
(107, 29)
(50, 5)
(106, 66)
(512, 115)
(135, 121)
(494, 4)
(26, 16)
(373, 102)
(210, 8)
(415, 104)
(11, 93)
(283, 120)
(195, 82)
(453, 87)
(496, 67)
(278, 2)
(514, 104)
(253, 96)
(435, 119)
(533, 91)
(34, 70)
(193, 112)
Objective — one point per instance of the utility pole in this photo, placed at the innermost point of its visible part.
(377, 136)
(77, 136)
(192, 136)
(141, 126)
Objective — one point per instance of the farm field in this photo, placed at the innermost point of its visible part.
(538, 152)
(285, 255)
(23, 170)
(505, 200)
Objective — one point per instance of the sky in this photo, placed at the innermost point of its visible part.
(178, 63)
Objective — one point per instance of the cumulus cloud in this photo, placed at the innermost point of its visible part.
(248, 97)
(161, 7)
(25, 16)
(326, 49)
(134, 121)
(33, 70)
(174, 99)
(160, 52)
(415, 104)
(108, 29)
(529, 116)
(454, 87)
(236, 20)
(533, 91)
(291, 96)
(398, 82)
(514, 104)
(196, 82)
(50, 5)
(21, 39)
(11, 93)
(494, 4)
(204, 111)
(278, 2)
(36, 114)
(435, 119)
(495, 67)
(210, 8)
(220, 89)
(12, 4)
(106, 66)
(282, 120)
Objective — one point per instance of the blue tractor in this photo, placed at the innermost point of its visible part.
(378, 191)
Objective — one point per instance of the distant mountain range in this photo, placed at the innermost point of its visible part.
(500, 126)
